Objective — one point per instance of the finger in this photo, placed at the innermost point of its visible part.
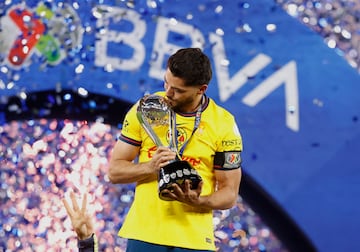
(176, 189)
(164, 163)
(166, 151)
(159, 149)
(169, 194)
(74, 202)
(163, 148)
(199, 188)
(84, 203)
(68, 208)
(187, 185)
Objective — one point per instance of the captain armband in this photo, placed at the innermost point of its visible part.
(227, 160)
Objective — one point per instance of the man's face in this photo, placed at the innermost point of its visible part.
(181, 98)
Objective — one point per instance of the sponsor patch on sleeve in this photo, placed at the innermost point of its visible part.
(227, 160)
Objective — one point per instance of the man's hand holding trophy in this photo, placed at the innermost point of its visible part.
(153, 112)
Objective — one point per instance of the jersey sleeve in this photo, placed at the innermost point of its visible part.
(131, 130)
(228, 154)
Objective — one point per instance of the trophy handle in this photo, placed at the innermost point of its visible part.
(173, 135)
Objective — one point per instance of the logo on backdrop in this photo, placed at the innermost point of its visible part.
(47, 31)
(50, 34)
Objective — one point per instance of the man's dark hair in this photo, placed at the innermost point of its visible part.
(191, 65)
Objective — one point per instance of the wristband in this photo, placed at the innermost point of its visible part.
(88, 243)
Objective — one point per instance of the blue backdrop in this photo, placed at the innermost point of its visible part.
(295, 99)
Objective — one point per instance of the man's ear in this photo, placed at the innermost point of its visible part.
(203, 88)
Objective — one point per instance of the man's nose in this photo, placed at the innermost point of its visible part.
(168, 91)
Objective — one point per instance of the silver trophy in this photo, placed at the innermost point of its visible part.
(154, 114)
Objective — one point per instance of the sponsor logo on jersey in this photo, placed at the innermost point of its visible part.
(232, 159)
(231, 142)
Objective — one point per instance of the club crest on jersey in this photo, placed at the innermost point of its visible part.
(181, 137)
(125, 125)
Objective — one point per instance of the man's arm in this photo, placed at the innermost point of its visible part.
(225, 196)
(122, 169)
(227, 191)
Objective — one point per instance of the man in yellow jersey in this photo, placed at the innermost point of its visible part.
(209, 140)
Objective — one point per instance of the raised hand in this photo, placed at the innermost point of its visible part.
(80, 220)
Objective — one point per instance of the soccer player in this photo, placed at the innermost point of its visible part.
(207, 137)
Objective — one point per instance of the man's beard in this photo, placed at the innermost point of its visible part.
(179, 107)
(175, 107)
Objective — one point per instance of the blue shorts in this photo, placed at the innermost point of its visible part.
(140, 246)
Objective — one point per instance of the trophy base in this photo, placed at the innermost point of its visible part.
(176, 172)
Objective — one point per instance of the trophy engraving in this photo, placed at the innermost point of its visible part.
(152, 112)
